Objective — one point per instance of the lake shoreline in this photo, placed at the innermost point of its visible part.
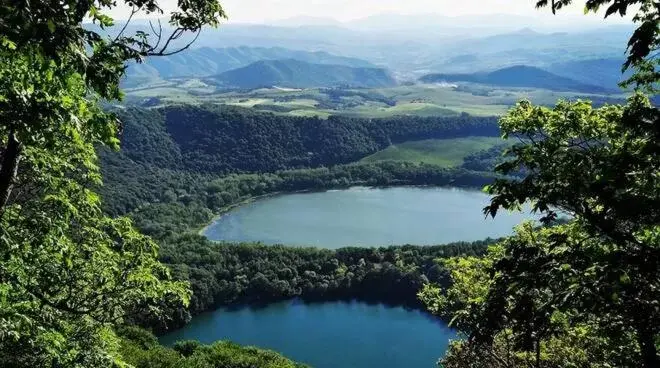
(362, 216)
(250, 199)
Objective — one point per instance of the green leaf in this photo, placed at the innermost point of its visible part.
(8, 44)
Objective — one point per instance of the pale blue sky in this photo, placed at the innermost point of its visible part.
(265, 11)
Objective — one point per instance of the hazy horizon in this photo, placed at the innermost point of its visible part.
(511, 13)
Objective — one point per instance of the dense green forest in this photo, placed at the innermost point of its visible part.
(223, 274)
(226, 139)
(179, 165)
(144, 189)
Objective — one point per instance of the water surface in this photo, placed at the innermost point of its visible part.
(365, 217)
(328, 335)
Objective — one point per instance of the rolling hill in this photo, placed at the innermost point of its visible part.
(299, 74)
(206, 61)
(605, 72)
(519, 76)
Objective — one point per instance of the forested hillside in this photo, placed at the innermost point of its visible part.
(183, 154)
(299, 74)
(224, 139)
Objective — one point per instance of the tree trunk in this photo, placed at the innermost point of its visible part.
(10, 159)
(538, 353)
(646, 342)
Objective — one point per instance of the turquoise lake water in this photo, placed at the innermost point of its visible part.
(365, 217)
(329, 335)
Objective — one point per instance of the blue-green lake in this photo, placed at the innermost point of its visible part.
(348, 335)
(329, 335)
(365, 217)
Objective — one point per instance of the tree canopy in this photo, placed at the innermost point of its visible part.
(586, 293)
(56, 68)
(69, 273)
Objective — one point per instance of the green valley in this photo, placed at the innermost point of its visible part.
(416, 100)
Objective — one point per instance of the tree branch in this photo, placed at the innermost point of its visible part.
(175, 34)
(134, 11)
(158, 34)
(162, 53)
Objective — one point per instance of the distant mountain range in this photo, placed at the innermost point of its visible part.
(589, 56)
(254, 67)
(294, 73)
(204, 62)
(409, 46)
(519, 76)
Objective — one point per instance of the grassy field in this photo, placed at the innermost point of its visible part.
(417, 100)
(310, 113)
(442, 152)
(416, 109)
(476, 99)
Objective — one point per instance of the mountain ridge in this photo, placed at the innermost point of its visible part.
(294, 73)
(518, 76)
(605, 72)
(208, 61)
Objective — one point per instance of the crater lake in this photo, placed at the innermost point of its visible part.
(362, 216)
(328, 335)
